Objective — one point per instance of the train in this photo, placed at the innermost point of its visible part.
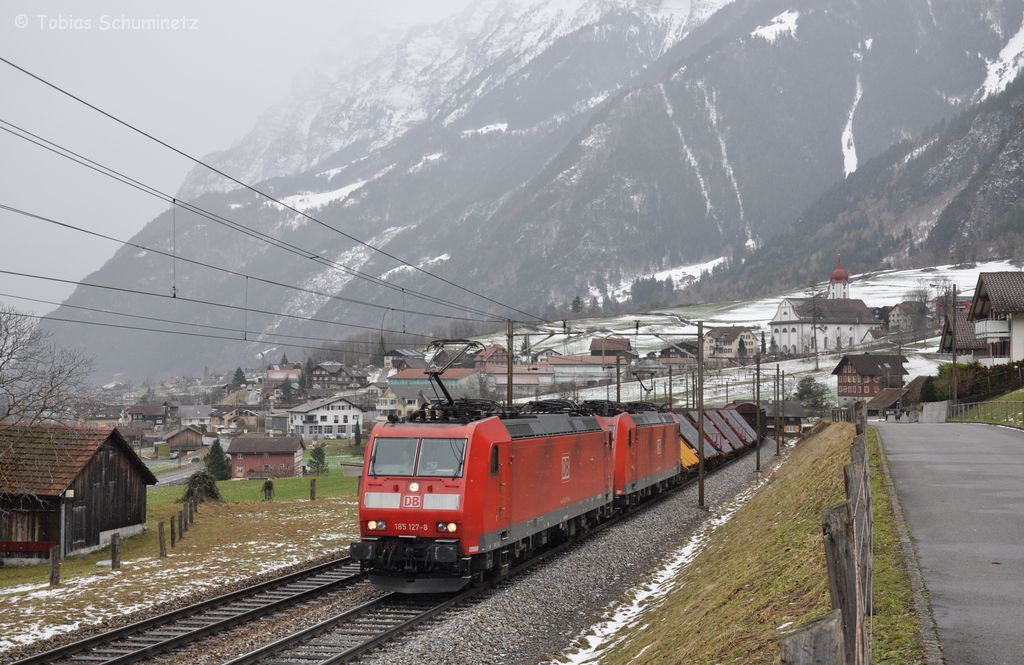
(464, 490)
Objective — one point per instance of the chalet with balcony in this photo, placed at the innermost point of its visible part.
(400, 401)
(141, 414)
(968, 346)
(493, 355)
(329, 418)
(336, 376)
(392, 358)
(863, 376)
(997, 312)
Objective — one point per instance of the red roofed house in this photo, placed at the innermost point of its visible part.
(492, 355)
(67, 486)
(462, 378)
(266, 456)
(612, 346)
(861, 377)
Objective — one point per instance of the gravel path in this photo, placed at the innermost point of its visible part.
(537, 615)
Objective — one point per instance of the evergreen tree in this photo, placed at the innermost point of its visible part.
(201, 486)
(577, 305)
(318, 461)
(307, 374)
(813, 395)
(217, 463)
(287, 394)
(763, 347)
(239, 378)
(284, 359)
(359, 435)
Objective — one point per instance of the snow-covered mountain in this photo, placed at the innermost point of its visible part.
(542, 150)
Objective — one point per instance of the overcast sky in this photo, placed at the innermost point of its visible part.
(200, 86)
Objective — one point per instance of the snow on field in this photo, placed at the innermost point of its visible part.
(884, 288)
(783, 25)
(680, 275)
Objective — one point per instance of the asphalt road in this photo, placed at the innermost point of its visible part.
(962, 490)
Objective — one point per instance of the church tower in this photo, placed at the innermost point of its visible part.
(839, 286)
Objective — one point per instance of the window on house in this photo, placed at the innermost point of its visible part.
(335, 419)
(323, 419)
(239, 468)
(328, 429)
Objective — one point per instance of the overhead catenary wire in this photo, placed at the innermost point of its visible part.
(198, 301)
(333, 341)
(114, 174)
(174, 258)
(186, 333)
(258, 191)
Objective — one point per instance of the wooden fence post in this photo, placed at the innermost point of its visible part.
(181, 525)
(173, 538)
(842, 585)
(163, 543)
(312, 489)
(817, 642)
(55, 565)
(115, 551)
(191, 512)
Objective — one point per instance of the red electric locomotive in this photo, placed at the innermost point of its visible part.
(458, 494)
(645, 443)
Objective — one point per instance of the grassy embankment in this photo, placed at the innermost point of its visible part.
(765, 570)
(230, 540)
(1005, 409)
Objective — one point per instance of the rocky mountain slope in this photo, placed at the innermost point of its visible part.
(540, 150)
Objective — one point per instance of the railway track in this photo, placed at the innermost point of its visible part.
(352, 633)
(145, 639)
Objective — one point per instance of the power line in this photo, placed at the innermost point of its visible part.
(178, 257)
(186, 323)
(114, 174)
(197, 301)
(259, 192)
(166, 332)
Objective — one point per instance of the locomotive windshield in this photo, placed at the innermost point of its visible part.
(418, 457)
(393, 457)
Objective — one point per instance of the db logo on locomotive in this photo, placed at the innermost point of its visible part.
(412, 501)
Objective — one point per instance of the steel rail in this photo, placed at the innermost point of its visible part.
(146, 638)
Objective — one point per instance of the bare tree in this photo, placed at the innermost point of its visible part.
(39, 380)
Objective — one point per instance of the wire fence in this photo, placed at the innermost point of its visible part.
(995, 413)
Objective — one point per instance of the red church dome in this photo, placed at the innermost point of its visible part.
(840, 274)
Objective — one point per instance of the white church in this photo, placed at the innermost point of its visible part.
(834, 322)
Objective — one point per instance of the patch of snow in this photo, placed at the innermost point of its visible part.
(422, 264)
(917, 152)
(783, 25)
(680, 276)
(686, 151)
(486, 129)
(1004, 69)
(710, 103)
(849, 148)
(235, 206)
(306, 201)
(602, 637)
(868, 43)
(425, 160)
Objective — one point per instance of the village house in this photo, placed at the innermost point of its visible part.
(730, 343)
(195, 416)
(102, 416)
(141, 414)
(791, 413)
(239, 419)
(329, 418)
(185, 440)
(588, 370)
(831, 323)
(336, 376)
(908, 316)
(527, 380)
(255, 456)
(392, 357)
(968, 346)
(400, 401)
(464, 379)
(72, 487)
(612, 346)
(862, 376)
(492, 355)
(997, 312)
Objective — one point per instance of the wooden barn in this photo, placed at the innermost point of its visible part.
(184, 440)
(67, 486)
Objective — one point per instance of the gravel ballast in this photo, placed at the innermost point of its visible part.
(539, 614)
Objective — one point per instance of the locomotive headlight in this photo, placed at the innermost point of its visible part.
(451, 527)
(414, 487)
(371, 525)
(374, 525)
